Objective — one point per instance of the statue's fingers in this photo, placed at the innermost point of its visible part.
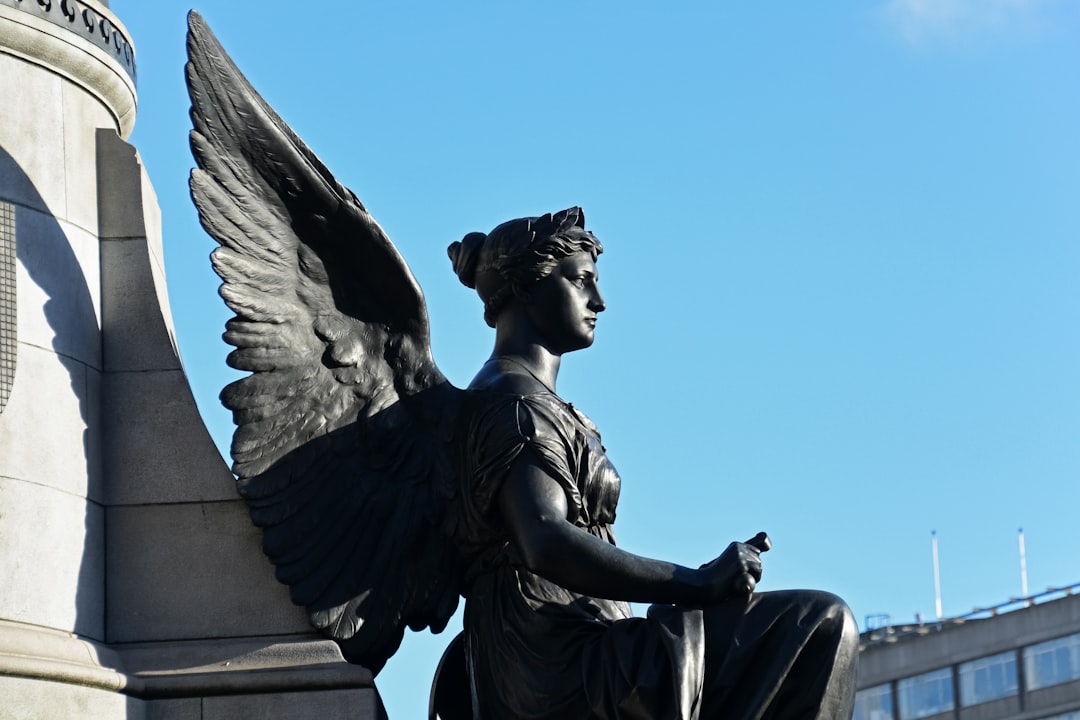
(760, 541)
(745, 583)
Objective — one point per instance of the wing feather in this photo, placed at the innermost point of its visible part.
(339, 448)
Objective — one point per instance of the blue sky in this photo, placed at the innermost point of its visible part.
(842, 267)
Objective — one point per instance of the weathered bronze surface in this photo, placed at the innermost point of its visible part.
(385, 493)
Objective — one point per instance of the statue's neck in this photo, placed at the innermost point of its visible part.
(532, 357)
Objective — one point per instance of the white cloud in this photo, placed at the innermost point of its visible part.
(922, 21)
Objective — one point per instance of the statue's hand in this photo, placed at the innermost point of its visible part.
(737, 571)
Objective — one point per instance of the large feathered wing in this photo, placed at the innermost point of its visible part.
(343, 420)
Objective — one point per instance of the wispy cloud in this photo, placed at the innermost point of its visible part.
(927, 21)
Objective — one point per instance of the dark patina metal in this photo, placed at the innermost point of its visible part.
(385, 493)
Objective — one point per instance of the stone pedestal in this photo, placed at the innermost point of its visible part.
(132, 584)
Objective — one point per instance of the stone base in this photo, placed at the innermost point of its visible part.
(27, 699)
(45, 674)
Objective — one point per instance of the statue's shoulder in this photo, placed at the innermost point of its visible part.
(496, 379)
(506, 407)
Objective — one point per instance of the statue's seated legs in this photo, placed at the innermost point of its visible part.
(451, 695)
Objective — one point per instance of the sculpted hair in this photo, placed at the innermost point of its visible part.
(506, 262)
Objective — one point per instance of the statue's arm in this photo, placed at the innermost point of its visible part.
(534, 508)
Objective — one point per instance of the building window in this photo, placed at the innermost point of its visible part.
(1066, 716)
(1053, 662)
(927, 694)
(874, 703)
(988, 678)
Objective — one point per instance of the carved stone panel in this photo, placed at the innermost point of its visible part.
(83, 19)
(7, 301)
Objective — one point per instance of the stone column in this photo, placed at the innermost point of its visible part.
(131, 580)
(59, 82)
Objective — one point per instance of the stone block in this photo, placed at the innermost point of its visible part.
(120, 189)
(45, 428)
(157, 449)
(58, 286)
(58, 656)
(151, 218)
(179, 709)
(29, 699)
(239, 666)
(137, 327)
(83, 115)
(327, 705)
(190, 571)
(52, 569)
(96, 485)
(153, 240)
(31, 136)
(139, 332)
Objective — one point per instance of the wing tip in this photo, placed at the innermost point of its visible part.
(196, 23)
(202, 43)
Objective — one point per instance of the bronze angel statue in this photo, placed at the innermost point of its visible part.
(385, 493)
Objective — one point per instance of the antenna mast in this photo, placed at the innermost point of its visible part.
(1023, 566)
(937, 573)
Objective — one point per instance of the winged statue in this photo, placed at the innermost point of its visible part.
(385, 494)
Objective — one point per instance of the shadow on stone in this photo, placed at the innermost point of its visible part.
(45, 253)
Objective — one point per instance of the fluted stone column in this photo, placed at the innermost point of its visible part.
(131, 580)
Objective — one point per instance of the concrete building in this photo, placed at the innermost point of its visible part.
(132, 583)
(994, 664)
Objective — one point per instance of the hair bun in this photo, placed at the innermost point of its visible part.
(465, 256)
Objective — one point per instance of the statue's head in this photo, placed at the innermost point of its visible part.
(506, 262)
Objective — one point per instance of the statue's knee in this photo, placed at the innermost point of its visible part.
(846, 628)
(850, 633)
(840, 618)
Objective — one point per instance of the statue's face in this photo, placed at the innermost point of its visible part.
(563, 306)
